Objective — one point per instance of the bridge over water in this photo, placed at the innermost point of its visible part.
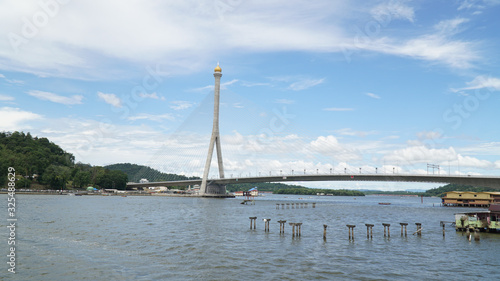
(484, 181)
(217, 187)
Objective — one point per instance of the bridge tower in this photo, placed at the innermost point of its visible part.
(211, 189)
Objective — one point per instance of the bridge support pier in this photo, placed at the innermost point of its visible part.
(351, 229)
(403, 225)
(386, 225)
(369, 230)
(252, 219)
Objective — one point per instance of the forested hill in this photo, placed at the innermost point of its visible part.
(40, 163)
(137, 172)
(440, 191)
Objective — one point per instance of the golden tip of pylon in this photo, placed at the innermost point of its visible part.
(217, 68)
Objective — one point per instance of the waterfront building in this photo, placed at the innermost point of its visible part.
(470, 199)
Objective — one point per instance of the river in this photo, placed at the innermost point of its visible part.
(171, 238)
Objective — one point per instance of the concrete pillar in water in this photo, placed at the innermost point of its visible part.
(419, 229)
(266, 224)
(293, 205)
(369, 230)
(288, 205)
(252, 219)
(299, 226)
(305, 204)
(403, 226)
(386, 225)
(277, 206)
(351, 229)
(282, 226)
(282, 205)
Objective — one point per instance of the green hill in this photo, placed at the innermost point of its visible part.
(440, 191)
(137, 172)
(40, 163)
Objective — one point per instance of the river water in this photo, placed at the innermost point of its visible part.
(172, 238)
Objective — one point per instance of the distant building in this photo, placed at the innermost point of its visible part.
(470, 199)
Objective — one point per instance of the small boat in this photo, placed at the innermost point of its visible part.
(384, 203)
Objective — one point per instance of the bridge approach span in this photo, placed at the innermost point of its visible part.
(483, 181)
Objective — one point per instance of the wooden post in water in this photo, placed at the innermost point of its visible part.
(282, 226)
(282, 205)
(324, 231)
(419, 229)
(305, 204)
(351, 229)
(443, 229)
(314, 205)
(403, 225)
(476, 235)
(386, 225)
(277, 206)
(293, 228)
(252, 219)
(266, 224)
(369, 230)
(288, 205)
(299, 227)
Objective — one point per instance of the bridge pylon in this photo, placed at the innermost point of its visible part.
(207, 188)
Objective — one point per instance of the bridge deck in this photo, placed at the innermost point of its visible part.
(483, 181)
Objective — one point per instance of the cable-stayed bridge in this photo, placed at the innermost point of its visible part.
(216, 187)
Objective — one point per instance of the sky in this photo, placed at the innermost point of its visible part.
(307, 86)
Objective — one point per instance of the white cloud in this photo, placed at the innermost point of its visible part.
(15, 119)
(481, 82)
(6, 98)
(450, 27)
(445, 156)
(151, 96)
(111, 99)
(393, 10)
(193, 32)
(76, 99)
(372, 95)
(180, 105)
(285, 101)
(338, 109)
(304, 84)
(152, 117)
(351, 132)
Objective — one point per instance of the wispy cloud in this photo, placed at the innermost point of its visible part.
(285, 101)
(223, 86)
(180, 105)
(76, 99)
(14, 119)
(151, 117)
(151, 96)
(372, 95)
(6, 98)
(305, 83)
(394, 10)
(111, 99)
(481, 82)
(337, 109)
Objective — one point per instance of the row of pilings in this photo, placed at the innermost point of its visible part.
(294, 205)
(297, 229)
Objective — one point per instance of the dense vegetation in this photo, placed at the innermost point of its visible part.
(399, 192)
(137, 172)
(440, 191)
(40, 163)
(314, 191)
(263, 186)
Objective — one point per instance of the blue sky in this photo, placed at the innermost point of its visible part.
(321, 87)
